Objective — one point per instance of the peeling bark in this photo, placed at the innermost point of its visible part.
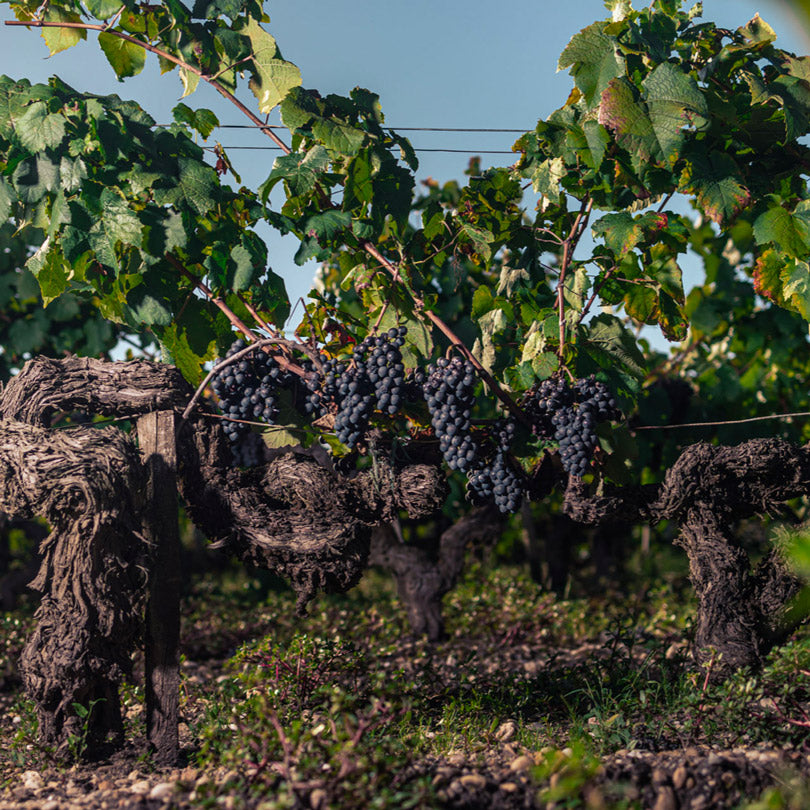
(424, 578)
(85, 483)
(742, 613)
(292, 516)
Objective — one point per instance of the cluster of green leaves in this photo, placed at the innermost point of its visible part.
(663, 105)
(119, 233)
(71, 324)
(217, 40)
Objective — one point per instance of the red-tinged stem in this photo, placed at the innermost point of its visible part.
(165, 55)
(510, 404)
(233, 317)
(569, 245)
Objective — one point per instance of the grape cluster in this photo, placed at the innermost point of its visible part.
(375, 379)
(497, 481)
(597, 394)
(386, 369)
(569, 415)
(551, 396)
(448, 392)
(248, 389)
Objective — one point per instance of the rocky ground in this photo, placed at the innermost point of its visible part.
(530, 703)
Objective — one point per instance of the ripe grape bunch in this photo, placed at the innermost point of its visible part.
(569, 416)
(497, 480)
(248, 390)
(374, 380)
(449, 394)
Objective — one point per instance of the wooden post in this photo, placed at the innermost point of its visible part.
(156, 437)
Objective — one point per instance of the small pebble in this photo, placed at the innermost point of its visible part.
(521, 764)
(473, 781)
(32, 780)
(163, 790)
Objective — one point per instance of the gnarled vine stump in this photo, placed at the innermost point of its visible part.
(425, 575)
(86, 483)
(742, 612)
(292, 516)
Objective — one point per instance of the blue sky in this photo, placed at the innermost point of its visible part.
(452, 63)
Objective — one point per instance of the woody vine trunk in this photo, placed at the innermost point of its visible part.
(743, 612)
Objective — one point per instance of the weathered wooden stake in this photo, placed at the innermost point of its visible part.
(156, 437)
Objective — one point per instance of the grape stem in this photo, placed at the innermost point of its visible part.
(569, 246)
(510, 404)
(228, 361)
(239, 323)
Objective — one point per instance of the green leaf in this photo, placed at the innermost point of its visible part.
(202, 120)
(510, 278)
(327, 225)
(641, 303)
(545, 364)
(199, 184)
(480, 238)
(49, 268)
(273, 77)
(576, 287)
(482, 302)
(150, 303)
(594, 60)
(299, 171)
(7, 199)
(546, 179)
(715, 181)
(790, 232)
(277, 436)
(103, 9)
(605, 335)
(674, 101)
(796, 288)
(622, 113)
(178, 351)
(418, 338)
(117, 223)
(60, 39)
(190, 80)
(38, 129)
(71, 173)
(520, 378)
(125, 57)
(757, 31)
(34, 177)
(621, 232)
(340, 137)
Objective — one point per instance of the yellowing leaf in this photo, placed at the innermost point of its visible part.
(60, 39)
(273, 77)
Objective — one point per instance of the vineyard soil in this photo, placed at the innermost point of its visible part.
(531, 701)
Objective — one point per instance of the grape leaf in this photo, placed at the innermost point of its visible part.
(674, 101)
(621, 112)
(102, 9)
(790, 232)
(126, 58)
(594, 60)
(60, 39)
(7, 199)
(38, 129)
(715, 181)
(34, 177)
(273, 77)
